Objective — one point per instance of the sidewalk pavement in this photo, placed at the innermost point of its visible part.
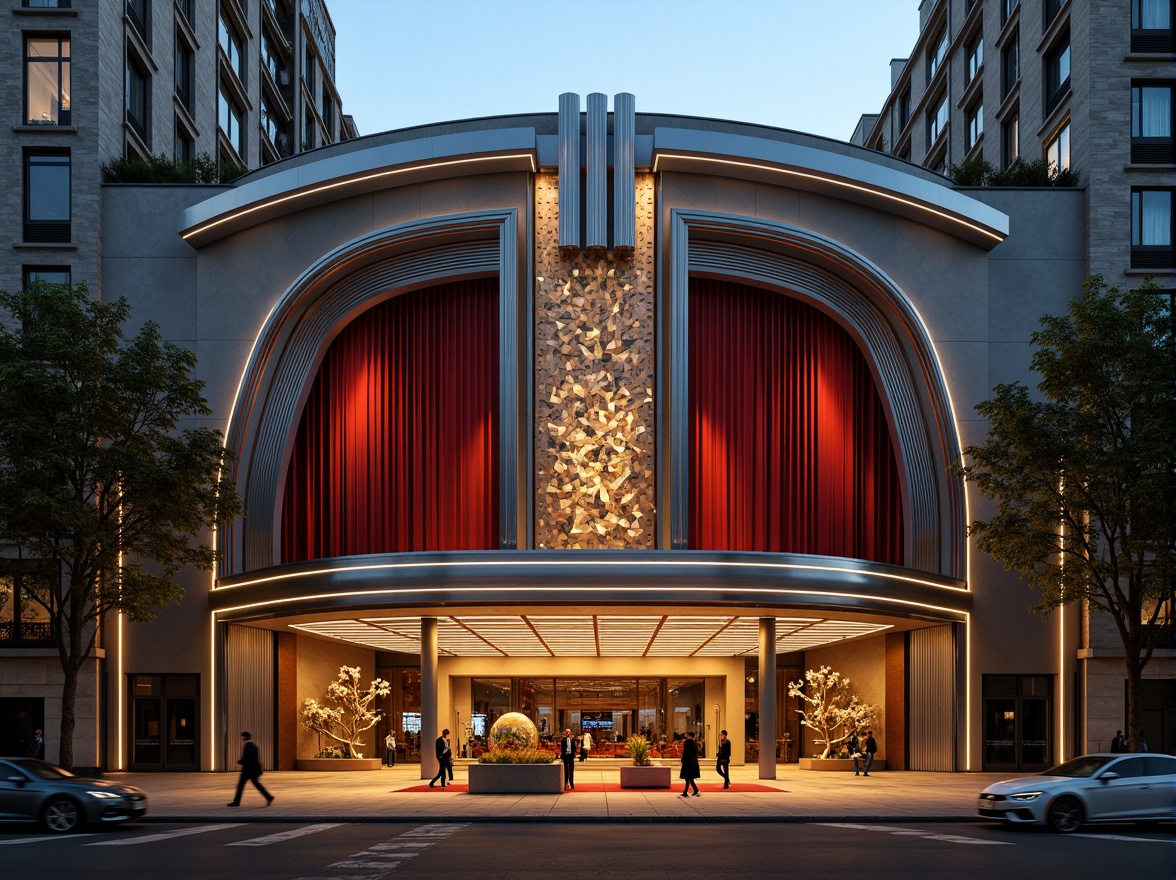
(382, 796)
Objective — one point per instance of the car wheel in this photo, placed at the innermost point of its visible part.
(1065, 815)
(61, 815)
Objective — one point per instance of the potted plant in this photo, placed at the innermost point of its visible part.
(643, 773)
(514, 763)
(343, 723)
(833, 713)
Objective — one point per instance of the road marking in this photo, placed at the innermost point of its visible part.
(43, 837)
(926, 835)
(166, 835)
(1124, 837)
(286, 835)
(387, 856)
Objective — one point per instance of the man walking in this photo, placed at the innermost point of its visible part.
(567, 754)
(723, 759)
(871, 750)
(1119, 743)
(689, 772)
(250, 762)
(444, 758)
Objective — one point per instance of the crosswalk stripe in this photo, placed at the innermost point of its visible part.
(19, 840)
(926, 835)
(1123, 837)
(286, 835)
(165, 835)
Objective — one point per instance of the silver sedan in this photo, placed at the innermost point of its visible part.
(32, 790)
(1093, 788)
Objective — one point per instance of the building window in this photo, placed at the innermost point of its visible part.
(1057, 149)
(46, 197)
(271, 59)
(975, 56)
(936, 54)
(1151, 122)
(25, 597)
(230, 43)
(231, 118)
(1007, 8)
(1010, 64)
(47, 83)
(1151, 229)
(1057, 73)
(47, 274)
(904, 108)
(1151, 26)
(138, 12)
(185, 77)
(975, 123)
(308, 130)
(936, 121)
(183, 147)
(269, 123)
(329, 117)
(186, 8)
(1049, 11)
(1011, 140)
(47, 4)
(138, 101)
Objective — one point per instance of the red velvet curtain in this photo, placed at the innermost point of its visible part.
(790, 451)
(397, 449)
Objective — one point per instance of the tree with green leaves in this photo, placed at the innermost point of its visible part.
(97, 477)
(1082, 474)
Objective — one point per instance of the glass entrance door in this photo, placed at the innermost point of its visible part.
(164, 722)
(1017, 722)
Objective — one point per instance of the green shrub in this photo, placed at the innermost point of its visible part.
(978, 171)
(639, 750)
(160, 169)
(516, 756)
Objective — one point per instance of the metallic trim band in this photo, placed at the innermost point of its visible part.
(569, 170)
(596, 187)
(624, 170)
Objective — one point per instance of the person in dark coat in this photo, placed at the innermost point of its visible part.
(250, 762)
(444, 758)
(871, 750)
(723, 759)
(1119, 743)
(690, 771)
(37, 746)
(855, 751)
(567, 754)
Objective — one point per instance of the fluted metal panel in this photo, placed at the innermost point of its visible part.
(569, 170)
(249, 678)
(596, 197)
(931, 699)
(624, 168)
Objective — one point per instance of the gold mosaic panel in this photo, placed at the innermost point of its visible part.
(595, 327)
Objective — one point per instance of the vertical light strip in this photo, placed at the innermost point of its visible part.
(212, 691)
(569, 170)
(596, 191)
(119, 683)
(968, 689)
(1062, 629)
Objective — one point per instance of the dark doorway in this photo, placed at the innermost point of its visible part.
(165, 722)
(1017, 722)
(19, 717)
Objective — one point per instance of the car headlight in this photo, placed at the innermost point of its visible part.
(104, 795)
(1026, 795)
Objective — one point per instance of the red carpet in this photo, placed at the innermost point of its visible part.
(706, 788)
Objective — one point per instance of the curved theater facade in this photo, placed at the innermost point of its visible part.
(622, 421)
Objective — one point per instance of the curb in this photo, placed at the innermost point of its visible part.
(569, 820)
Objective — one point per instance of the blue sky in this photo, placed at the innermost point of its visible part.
(812, 66)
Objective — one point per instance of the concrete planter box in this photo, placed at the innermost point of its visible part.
(336, 764)
(516, 778)
(838, 764)
(652, 776)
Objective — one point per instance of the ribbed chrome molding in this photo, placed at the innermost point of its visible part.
(624, 169)
(931, 699)
(296, 335)
(576, 579)
(596, 188)
(569, 170)
(878, 315)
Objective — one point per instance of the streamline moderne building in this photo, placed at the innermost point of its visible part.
(619, 420)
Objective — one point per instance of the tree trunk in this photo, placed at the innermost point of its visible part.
(1134, 704)
(69, 698)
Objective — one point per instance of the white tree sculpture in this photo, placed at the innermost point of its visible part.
(834, 713)
(351, 717)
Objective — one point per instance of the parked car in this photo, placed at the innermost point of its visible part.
(32, 790)
(1093, 788)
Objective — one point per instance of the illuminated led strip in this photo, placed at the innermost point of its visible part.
(269, 203)
(835, 182)
(637, 563)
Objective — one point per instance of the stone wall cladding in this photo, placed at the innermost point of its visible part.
(595, 344)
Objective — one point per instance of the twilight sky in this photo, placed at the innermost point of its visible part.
(812, 66)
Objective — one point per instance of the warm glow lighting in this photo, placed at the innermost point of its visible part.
(269, 203)
(835, 182)
(1062, 633)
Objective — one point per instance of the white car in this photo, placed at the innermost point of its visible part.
(1093, 788)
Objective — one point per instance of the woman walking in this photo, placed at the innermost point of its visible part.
(690, 771)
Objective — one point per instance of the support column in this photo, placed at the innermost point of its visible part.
(767, 698)
(430, 724)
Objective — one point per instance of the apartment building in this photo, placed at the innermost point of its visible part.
(1085, 84)
(247, 82)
